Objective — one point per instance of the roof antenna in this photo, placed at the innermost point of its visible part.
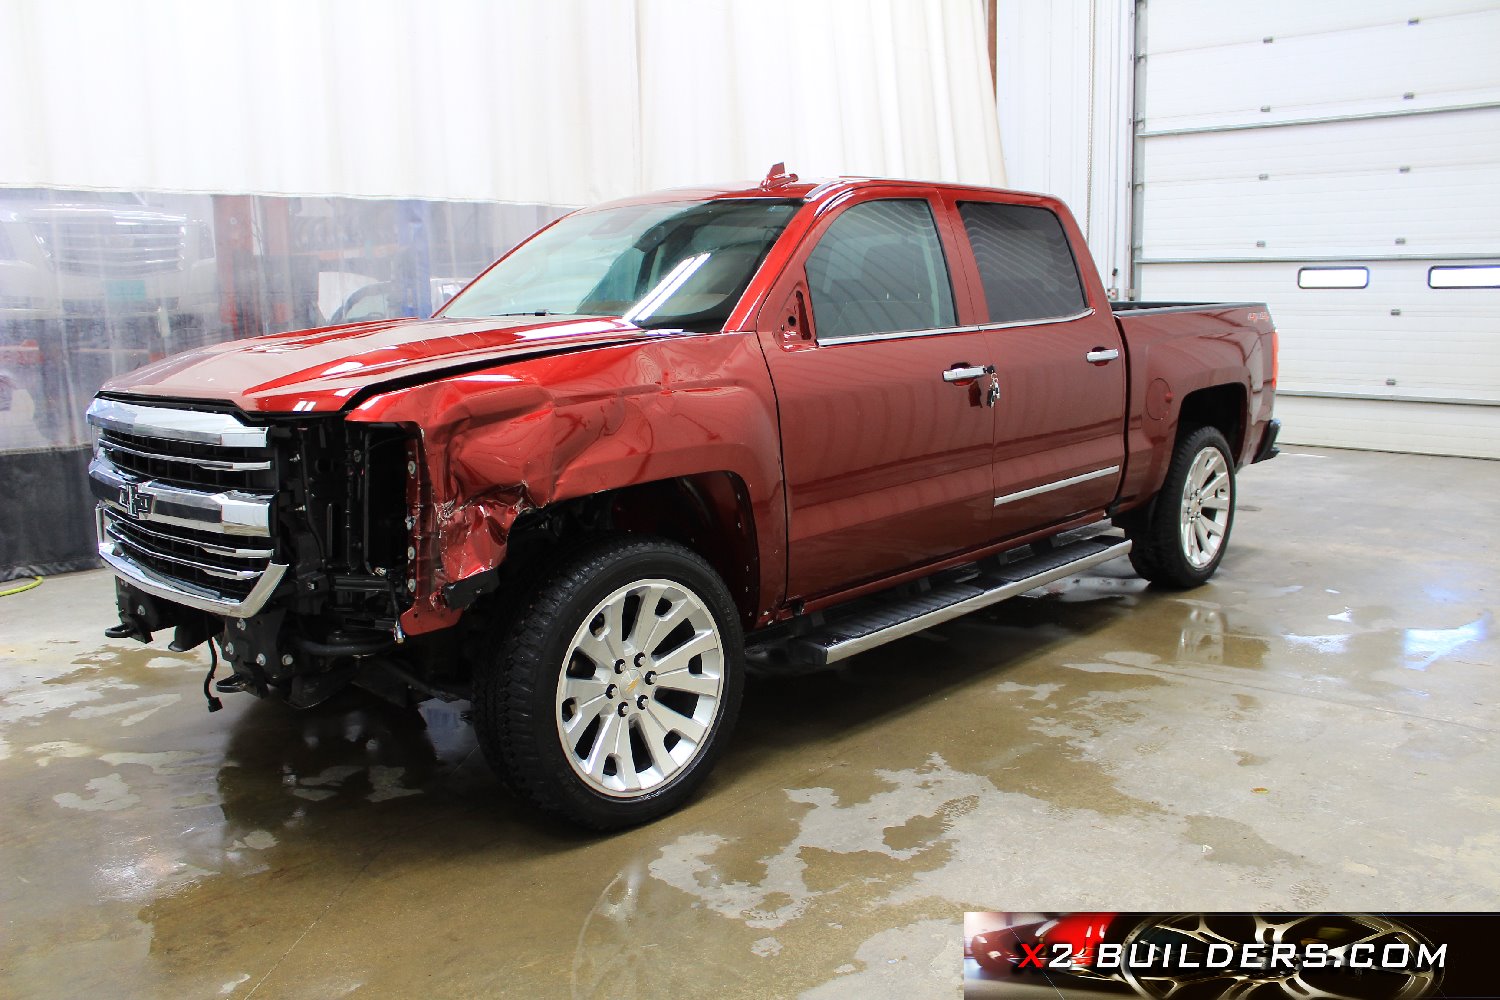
(778, 177)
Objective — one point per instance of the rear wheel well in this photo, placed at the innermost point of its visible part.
(1221, 406)
(709, 513)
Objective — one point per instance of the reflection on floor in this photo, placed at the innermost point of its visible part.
(1314, 729)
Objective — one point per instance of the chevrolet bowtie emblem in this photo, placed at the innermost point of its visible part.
(136, 503)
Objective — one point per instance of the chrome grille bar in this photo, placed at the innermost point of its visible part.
(108, 443)
(158, 584)
(219, 550)
(114, 530)
(197, 426)
(186, 505)
(232, 512)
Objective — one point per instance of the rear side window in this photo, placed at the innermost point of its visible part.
(1025, 263)
(879, 268)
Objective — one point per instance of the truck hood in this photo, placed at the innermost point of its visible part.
(324, 369)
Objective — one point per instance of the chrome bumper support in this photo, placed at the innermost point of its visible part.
(179, 591)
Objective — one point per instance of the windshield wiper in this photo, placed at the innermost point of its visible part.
(529, 312)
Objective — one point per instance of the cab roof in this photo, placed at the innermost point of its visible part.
(790, 186)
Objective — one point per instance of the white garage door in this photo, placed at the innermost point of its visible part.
(1285, 147)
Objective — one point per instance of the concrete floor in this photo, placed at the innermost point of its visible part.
(1315, 729)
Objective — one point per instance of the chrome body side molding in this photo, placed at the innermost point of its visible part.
(1059, 485)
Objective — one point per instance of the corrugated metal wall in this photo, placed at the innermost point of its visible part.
(1281, 136)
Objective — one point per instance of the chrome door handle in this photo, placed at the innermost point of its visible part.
(966, 372)
(1099, 355)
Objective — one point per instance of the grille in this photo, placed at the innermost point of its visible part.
(190, 464)
(200, 558)
(113, 248)
(186, 504)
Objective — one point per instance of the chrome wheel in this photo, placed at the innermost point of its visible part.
(640, 688)
(1343, 978)
(1207, 501)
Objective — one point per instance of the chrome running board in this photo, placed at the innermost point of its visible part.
(873, 622)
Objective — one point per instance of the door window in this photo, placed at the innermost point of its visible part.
(879, 268)
(1025, 263)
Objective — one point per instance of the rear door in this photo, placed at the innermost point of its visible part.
(886, 434)
(1059, 419)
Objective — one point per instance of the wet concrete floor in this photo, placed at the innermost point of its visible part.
(1313, 730)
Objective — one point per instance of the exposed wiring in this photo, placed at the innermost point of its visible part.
(36, 582)
(214, 704)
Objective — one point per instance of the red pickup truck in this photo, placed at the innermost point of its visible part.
(666, 441)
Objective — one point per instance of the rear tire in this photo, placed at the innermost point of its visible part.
(613, 692)
(1180, 542)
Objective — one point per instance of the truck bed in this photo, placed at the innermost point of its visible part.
(1120, 307)
(1175, 350)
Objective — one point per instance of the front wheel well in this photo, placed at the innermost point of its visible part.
(709, 513)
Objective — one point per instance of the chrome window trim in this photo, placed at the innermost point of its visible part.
(193, 426)
(826, 187)
(229, 513)
(1058, 485)
(1044, 321)
(865, 338)
(180, 592)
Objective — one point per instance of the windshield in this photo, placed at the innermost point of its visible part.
(678, 264)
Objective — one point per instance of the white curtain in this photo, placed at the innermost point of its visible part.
(882, 87)
(532, 101)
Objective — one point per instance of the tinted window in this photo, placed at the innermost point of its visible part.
(880, 269)
(1024, 261)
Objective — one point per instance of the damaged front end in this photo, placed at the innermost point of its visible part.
(290, 543)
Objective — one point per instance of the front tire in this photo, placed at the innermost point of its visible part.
(1182, 539)
(614, 691)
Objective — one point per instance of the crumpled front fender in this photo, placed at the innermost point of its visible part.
(497, 443)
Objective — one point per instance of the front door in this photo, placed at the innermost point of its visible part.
(886, 428)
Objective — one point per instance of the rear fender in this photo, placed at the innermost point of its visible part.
(1173, 355)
